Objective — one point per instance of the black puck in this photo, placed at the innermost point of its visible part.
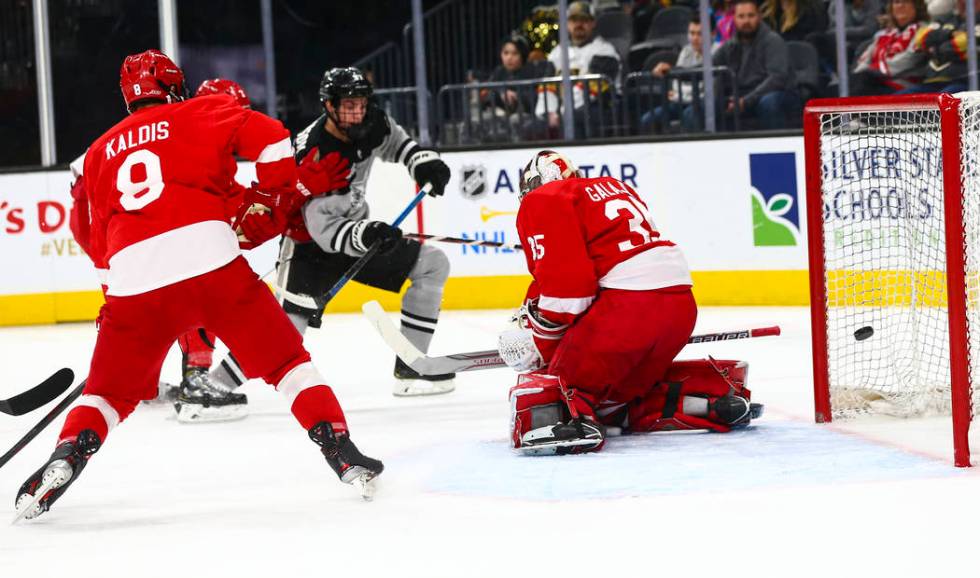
(864, 333)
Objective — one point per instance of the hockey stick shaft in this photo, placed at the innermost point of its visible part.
(371, 252)
(37, 429)
(490, 359)
(39, 395)
(460, 241)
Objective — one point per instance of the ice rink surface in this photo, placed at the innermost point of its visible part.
(255, 498)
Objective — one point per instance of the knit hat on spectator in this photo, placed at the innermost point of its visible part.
(582, 10)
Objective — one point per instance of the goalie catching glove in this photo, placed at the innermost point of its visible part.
(426, 166)
(531, 345)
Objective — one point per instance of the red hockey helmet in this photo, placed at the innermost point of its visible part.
(224, 86)
(545, 167)
(151, 75)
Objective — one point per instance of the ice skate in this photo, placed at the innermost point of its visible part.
(202, 399)
(574, 437)
(734, 410)
(350, 465)
(410, 383)
(48, 483)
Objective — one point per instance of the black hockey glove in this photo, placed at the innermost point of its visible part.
(425, 166)
(367, 233)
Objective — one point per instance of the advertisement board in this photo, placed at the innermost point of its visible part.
(735, 207)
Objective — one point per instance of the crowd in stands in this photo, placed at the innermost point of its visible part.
(778, 54)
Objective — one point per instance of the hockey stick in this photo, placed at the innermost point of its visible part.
(459, 241)
(490, 359)
(40, 394)
(55, 412)
(322, 301)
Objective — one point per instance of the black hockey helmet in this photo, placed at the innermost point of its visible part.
(341, 83)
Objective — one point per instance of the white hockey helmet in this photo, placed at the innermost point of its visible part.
(546, 166)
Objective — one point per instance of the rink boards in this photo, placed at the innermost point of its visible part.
(733, 205)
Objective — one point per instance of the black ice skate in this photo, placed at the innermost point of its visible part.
(409, 383)
(46, 485)
(350, 465)
(202, 399)
(577, 436)
(734, 410)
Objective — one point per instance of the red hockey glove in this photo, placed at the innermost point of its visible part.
(263, 215)
(317, 176)
(258, 226)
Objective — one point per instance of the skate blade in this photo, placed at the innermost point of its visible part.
(31, 506)
(421, 387)
(194, 413)
(366, 486)
(553, 448)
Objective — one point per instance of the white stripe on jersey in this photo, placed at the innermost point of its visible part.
(276, 152)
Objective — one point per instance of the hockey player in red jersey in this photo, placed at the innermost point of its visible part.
(609, 308)
(156, 189)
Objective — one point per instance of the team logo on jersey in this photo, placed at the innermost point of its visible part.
(775, 200)
(473, 185)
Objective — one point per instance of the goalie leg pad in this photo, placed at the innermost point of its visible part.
(548, 418)
(697, 394)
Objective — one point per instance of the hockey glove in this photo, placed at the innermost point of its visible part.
(257, 226)
(317, 176)
(517, 349)
(366, 233)
(425, 166)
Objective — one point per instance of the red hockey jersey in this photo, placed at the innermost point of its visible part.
(583, 234)
(157, 189)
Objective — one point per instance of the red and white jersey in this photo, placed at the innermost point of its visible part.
(158, 194)
(580, 235)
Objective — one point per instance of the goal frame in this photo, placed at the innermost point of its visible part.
(950, 127)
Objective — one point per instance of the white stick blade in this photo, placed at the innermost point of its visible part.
(400, 344)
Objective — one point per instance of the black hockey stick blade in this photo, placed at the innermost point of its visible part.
(39, 427)
(39, 395)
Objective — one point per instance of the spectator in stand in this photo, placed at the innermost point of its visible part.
(507, 105)
(945, 43)
(860, 24)
(588, 54)
(724, 19)
(890, 63)
(794, 19)
(681, 91)
(765, 80)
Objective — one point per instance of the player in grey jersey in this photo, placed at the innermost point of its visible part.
(335, 229)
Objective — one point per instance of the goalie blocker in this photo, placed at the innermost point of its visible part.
(548, 417)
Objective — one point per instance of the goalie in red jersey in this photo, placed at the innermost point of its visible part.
(609, 309)
(156, 186)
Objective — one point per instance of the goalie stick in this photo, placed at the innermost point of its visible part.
(490, 359)
(39, 395)
(55, 412)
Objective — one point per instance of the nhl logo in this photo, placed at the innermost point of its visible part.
(473, 185)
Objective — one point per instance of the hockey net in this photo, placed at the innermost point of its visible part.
(893, 182)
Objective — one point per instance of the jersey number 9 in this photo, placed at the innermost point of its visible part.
(146, 187)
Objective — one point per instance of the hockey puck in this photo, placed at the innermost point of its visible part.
(864, 333)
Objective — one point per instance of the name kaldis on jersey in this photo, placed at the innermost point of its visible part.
(141, 135)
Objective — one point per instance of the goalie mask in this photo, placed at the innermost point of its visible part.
(545, 167)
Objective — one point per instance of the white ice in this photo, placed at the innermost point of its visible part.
(254, 498)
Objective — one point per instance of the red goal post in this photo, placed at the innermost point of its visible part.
(892, 186)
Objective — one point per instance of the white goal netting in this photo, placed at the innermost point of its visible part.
(885, 258)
